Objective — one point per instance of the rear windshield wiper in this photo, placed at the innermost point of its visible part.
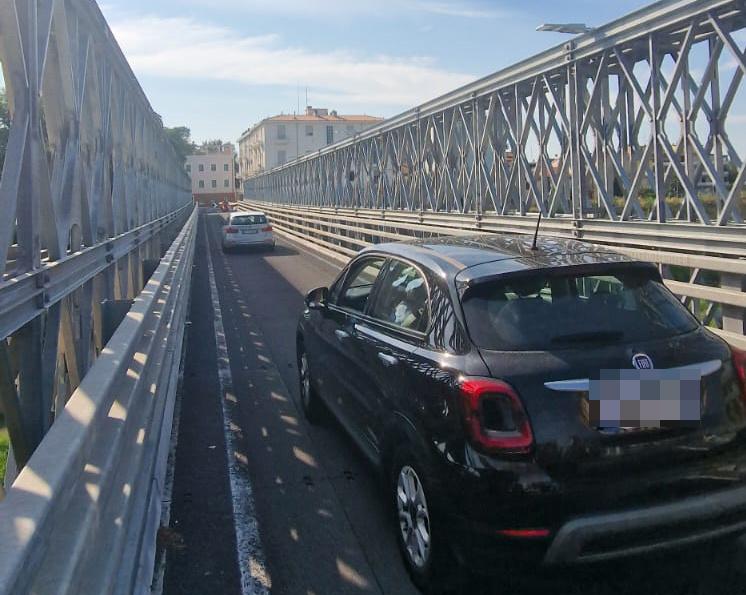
(589, 337)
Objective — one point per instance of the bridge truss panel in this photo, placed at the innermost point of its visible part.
(632, 122)
(91, 190)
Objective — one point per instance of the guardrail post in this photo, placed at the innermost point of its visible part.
(420, 172)
(149, 265)
(476, 140)
(734, 318)
(112, 314)
(657, 130)
(575, 91)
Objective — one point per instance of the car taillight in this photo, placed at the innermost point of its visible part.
(231, 230)
(494, 416)
(268, 228)
(739, 363)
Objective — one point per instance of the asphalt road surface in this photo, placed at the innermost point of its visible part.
(322, 521)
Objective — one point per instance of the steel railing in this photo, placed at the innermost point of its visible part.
(82, 515)
(633, 121)
(340, 233)
(92, 193)
(96, 245)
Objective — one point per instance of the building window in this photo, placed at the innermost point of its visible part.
(214, 183)
(281, 134)
(309, 130)
(226, 167)
(213, 167)
(189, 168)
(329, 135)
(226, 184)
(201, 167)
(201, 183)
(282, 157)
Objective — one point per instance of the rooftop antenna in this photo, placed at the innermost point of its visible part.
(536, 233)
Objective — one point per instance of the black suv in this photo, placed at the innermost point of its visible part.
(551, 404)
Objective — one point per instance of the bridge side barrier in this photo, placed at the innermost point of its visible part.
(83, 513)
(694, 249)
(633, 121)
(92, 192)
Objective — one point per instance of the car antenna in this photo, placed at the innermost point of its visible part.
(536, 233)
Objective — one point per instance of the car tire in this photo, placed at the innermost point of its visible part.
(226, 250)
(420, 533)
(313, 408)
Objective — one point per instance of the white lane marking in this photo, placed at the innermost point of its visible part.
(255, 579)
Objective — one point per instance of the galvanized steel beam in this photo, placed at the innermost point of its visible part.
(89, 190)
(628, 122)
(80, 516)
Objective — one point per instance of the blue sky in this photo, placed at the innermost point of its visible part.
(220, 66)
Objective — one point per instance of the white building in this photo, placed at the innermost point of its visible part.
(213, 174)
(275, 141)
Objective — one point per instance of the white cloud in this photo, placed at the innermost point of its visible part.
(326, 9)
(183, 48)
(460, 10)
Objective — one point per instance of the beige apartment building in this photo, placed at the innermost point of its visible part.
(275, 141)
(213, 174)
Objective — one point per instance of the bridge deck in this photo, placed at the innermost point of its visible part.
(321, 517)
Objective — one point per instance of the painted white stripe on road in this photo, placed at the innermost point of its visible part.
(255, 579)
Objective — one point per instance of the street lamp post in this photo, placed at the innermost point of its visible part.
(571, 28)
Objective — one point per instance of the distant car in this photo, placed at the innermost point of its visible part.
(244, 229)
(485, 379)
(225, 207)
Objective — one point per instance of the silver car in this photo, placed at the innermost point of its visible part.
(247, 228)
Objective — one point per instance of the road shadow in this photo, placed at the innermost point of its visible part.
(322, 511)
(301, 492)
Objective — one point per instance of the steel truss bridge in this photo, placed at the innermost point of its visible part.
(628, 136)
(97, 228)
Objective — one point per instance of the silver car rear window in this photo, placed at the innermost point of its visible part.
(249, 220)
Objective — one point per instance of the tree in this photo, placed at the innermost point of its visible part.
(4, 126)
(181, 139)
(212, 146)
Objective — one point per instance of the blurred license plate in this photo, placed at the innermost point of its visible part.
(248, 231)
(628, 400)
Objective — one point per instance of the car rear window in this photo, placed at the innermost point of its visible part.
(249, 220)
(545, 312)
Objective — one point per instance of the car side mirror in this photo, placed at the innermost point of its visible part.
(316, 298)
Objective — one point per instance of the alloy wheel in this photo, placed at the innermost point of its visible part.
(414, 517)
(305, 381)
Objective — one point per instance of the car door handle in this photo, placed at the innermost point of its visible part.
(387, 360)
(342, 335)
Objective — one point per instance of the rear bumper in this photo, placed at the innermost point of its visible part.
(676, 525)
(248, 240)
(598, 537)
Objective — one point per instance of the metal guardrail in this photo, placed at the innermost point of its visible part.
(92, 193)
(82, 516)
(631, 122)
(340, 233)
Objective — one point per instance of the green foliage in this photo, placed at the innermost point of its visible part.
(4, 126)
(181, 139)
(4, 445)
